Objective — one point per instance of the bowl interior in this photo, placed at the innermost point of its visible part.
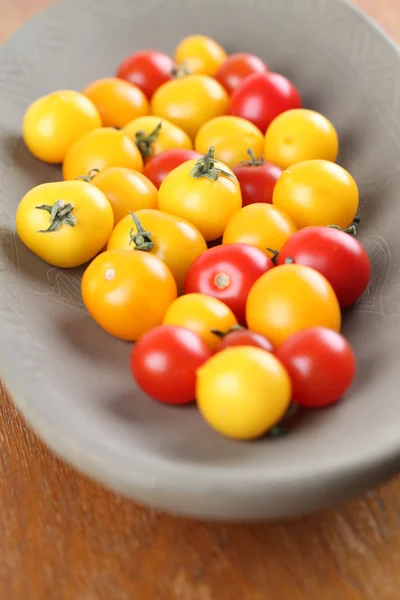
(73, 381)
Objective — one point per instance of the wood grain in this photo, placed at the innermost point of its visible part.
(62, 537)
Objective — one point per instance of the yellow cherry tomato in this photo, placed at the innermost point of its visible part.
(242, 392)
(127, 293)
(201, 314)
(118, 101)
(200, 54)
(126, 190)
(231, 138)
(204, 192)
(260, 225)
(290, 298)
(190, 101)
(175, 241)
(317, 192)
(65, 223)
(99, 149)
(153, 135)
(54, 122)
(300, 134)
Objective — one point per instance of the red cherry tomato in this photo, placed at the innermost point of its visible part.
(228, 273)
(257, 180)
(164, 363)
(262, 97)
(336, 255)
(158, 167)
(237, 67)
(147, 69)
(320, 363)
(240, 336)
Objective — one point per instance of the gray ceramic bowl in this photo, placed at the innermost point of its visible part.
(72, 381)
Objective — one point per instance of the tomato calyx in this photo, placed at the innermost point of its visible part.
(281, 428)
(180, 71)
(253, 162)
(88, 178)
(145, 141)
(205, 167)
(351, 230)
(275, 255)
(222, 334)
(60, 214)
(142, 238)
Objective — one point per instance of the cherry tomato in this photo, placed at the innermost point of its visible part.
(117, 101)
(190, 101)
(257, 179)
(290, 298)
(54, 122)
(240, 336)
(228, 273)
(231, 137)
(336, 255)
(201, 314)
(147, 69)
(262, 97)
(159, 166)
(260, 225)
(243, 392)
(204, 192)
(126, 190)
(66, 223)
(298, 135)
(175, 241)
(317, 192)
(237, 67)
(200, 54)
(321, 365)
(153, 135)
(127, 293)
(99, 149)
(164, 363)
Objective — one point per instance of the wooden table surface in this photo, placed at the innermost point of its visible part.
(62, 537)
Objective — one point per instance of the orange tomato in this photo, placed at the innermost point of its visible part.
(126, 190)
(127, 293)
(260, 225)
(290, 298)
(117, 101)
(99, 149)
(200, 54)
(201, 314)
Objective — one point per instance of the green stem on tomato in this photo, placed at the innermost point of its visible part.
(141, 238)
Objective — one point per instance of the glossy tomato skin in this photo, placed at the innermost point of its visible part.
(291, 298)
(244, 337)
(200, 54)
(262, 97)
(336, 255)
(228, 273)
(159, 166)
(147, 69)
(238, 67)
(127, 293)
(257, 182)
(321, 365)
(164, 363)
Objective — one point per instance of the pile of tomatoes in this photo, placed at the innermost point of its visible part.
(217, 226)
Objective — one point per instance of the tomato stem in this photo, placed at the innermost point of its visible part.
(180, 71)
(60, 214)
(351, 230)
(275, 255)
(145, 141)
(222, 334)
(141, 238)
(253, 162)
(88, 178)
(205, 167)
